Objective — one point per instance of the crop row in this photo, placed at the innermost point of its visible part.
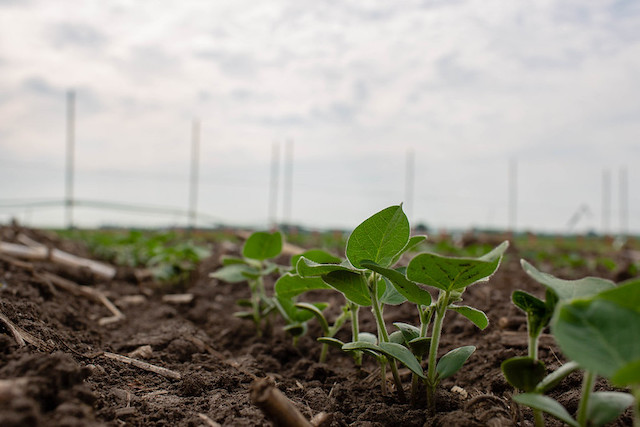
(595, 322)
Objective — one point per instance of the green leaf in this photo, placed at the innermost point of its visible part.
(627, 375)
(606, 406)
(568, 289)
(476, 316)
(233, 273)
(379, 238)
(409, 332)
(390, 296)
(553, 379)
(523, 373)
(449, 273)
(598, 334)
(625, 295)
(317, 312)
(262, 245)
(546, 404)
(420, 346)
(496, 253)
(411, 244)
(367, 337)
(296, 329)
(538, 313)
(407, 288)
(334, 342)
(243, 314)
(451, 362)
(308, 268)
(316, 255)
(290, 285)
(389, 349)
(397, 337)
(230, 260)
(352, 285)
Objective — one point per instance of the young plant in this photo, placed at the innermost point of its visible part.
(258, 251)
(451, 276)
(528, 373)
(378, 241)
(287, 289)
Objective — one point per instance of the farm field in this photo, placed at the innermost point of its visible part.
(200, 360)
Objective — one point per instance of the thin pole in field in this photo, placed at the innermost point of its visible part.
(624, 205)
(513, 194)
(606, 201)
(288, 182)
(273, 185)
(69, 167)
(193, 183)
(409, 182)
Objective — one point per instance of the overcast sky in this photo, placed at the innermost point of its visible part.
(464, 87)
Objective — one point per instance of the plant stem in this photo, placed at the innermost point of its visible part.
(383, 335)
(382, 361)
(432, 381)
(255, 305)
(538, 418)
(588, 380)
(533, 347)
(355, 329)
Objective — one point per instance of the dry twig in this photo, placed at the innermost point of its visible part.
(144, 365)
(276, 406)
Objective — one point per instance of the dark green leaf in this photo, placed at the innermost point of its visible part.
(308, 268)
(290, 285)
(538, 313)
(553, 379)
(316, 255)
(352, 285)
(474, 315)
(317, 312)
(568, 289)
(230, 260)
(396, 351)
(420, 346)
(390, 296)
(627, 375)
(598, 334)
(407, 288)
(379, 238)
(626, 295)
(606, 406)
(397, 337)
(408, 331)
(451, 362)
(448, 273)
(262, 245)
(546, 404)
(523, 373)
(334, 342)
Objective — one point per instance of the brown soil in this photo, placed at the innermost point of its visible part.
(69, 381)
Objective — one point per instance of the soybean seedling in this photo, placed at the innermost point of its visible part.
(258, 251)
(451, 276)
(287, 289)
(379, 240)
(593, 326)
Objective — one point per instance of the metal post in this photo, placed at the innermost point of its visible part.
(193, 186)
(606, 201)
(624, 205)
(513, 194)
(69, 167)
(409, 183)
(288, 183)
(273, 186)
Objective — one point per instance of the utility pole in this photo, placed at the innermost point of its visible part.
(513, 194)
(409, 182)
(288, 183)
(69, 167)
(606, 201)
(193, 186)
(273, 185)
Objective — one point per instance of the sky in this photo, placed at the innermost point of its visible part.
(464, 93)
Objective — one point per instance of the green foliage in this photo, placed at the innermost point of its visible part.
(255, 264)
(597, 325)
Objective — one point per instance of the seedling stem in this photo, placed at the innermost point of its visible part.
(588, 380)
(432, 380)
(355, 330)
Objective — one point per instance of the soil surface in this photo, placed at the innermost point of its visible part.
(63, 375)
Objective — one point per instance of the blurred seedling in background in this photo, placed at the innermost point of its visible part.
(256, 262)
